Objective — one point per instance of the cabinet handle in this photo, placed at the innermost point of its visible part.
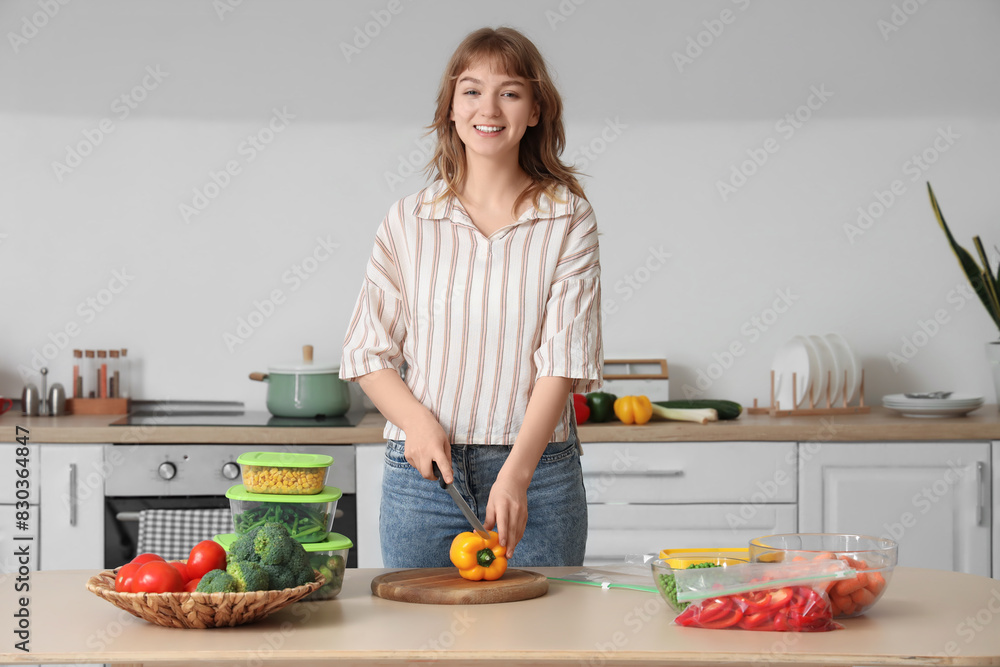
(981, 490)
(650, 473)
(72, 494)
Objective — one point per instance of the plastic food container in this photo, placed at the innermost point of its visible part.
(284, 473)
(679, 559)
(309, 518)
(329, 557)
(873, 557)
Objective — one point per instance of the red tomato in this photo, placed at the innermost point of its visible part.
(191, 585)
(182, 568)
(145, 558)
(157, 576)
(126, 573)
(206, 556)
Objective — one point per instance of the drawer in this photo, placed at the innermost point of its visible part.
(9, 468)
(702, 472)
(618, 530)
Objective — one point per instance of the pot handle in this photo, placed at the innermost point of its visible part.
(307, 353)
(259, 377)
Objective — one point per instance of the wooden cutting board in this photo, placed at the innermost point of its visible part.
(443, 585)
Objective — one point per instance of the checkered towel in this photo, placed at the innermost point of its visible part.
(172, 533)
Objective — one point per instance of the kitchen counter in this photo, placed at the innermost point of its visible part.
(927, 617)
(879, 425)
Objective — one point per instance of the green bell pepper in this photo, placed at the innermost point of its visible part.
(602, 406)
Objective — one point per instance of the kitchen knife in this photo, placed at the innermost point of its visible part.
(477, 527)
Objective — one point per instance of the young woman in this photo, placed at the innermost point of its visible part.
(486, 285)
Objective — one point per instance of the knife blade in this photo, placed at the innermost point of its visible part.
(473, 520)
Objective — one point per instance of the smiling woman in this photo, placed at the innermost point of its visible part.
(486, 285)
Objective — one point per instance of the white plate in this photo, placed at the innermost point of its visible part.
(954, 401)
(830, 372)
(933, 412)
(792, 357)
(848, 362)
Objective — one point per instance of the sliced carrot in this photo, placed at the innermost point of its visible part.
(863, 578)
(863, 597)
(844, 604)
(847, 586)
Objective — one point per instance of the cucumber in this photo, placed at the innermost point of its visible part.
(726, 409)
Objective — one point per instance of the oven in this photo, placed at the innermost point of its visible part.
(196, 476)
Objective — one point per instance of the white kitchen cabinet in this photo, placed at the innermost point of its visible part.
(72, 507)
(643, 497)
(996, 515)
(369, 461)
(932, 498)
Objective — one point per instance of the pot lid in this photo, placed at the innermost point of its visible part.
(306, 365)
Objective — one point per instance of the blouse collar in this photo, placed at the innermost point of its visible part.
(430, 207)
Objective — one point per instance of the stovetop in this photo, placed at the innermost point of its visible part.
(230, 418)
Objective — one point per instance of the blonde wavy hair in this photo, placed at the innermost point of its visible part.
(512, 53)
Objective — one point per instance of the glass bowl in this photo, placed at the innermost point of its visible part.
(664, 568)
(874, 558)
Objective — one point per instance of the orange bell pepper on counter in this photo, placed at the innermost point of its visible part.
(633, 409)
(477, 558)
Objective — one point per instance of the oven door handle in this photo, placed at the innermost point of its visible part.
(132, 517)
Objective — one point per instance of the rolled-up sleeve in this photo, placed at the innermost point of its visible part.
(572, 343)
(375, 334)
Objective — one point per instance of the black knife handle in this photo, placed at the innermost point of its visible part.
(437, 473)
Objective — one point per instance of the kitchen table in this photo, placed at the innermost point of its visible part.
(927, 617)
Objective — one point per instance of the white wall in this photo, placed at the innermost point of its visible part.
(675, 133)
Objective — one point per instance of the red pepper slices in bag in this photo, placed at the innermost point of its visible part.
(785, 609)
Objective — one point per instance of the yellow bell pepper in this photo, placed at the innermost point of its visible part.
(633, 409)
(477, 558)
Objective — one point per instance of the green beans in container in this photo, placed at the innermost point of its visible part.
(308, 518)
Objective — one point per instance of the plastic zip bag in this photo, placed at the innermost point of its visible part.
(776, 597)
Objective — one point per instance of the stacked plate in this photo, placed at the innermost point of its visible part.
(954, 405)
(822, 366)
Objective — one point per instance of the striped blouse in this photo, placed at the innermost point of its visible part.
(478, 319)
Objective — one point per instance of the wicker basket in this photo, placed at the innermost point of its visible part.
(199, 610)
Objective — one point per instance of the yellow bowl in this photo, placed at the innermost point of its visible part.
(682, 558)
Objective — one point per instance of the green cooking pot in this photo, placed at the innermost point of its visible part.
(305, 389)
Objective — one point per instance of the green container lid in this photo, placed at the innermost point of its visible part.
(285, 460)
(328, 494)
(334, 542)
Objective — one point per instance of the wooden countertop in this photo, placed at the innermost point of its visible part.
(927, 617)
(879, 425)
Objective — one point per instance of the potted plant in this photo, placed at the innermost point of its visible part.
(984, 281)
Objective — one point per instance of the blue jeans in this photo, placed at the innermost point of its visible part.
(418, 519)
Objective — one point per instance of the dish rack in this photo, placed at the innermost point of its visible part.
(775, 409)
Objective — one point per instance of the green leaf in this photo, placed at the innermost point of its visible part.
(972, 270)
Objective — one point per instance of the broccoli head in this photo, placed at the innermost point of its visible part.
(274, 546)
(242, 548)
(217, 581)
(249, 576)
(288, 575)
